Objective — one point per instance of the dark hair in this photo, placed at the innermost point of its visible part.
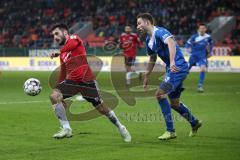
(202, 24)
(146, 16)
(61, 26)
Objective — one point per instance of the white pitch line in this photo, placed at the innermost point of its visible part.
(23, 102)
(114, 91)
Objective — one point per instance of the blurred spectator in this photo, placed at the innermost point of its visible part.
(27, 24)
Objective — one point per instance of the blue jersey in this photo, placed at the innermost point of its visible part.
(200, 45)
(157, 45)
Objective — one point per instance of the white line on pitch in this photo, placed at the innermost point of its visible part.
(23, 102)
(113, 91)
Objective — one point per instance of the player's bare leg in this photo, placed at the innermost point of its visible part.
(185, 113)
(201, 78)
(167, 115)
(58, 105)
(113, 118)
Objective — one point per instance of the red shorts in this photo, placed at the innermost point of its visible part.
(89, 90)
(129, 61)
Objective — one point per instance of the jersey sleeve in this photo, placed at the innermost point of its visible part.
(163, 35)
(72, 43)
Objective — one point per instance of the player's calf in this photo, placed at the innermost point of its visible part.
(166, 111)
(175, 103)
(109, 113)
(183, 111)
(56, 98)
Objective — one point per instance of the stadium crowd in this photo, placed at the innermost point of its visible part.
(27, 24)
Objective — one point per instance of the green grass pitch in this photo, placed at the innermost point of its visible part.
(27, 124)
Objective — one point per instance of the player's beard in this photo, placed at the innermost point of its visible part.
(202, 33)
(63, 40)
(142, 33)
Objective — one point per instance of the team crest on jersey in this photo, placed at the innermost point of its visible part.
(166, 79)
(67, 56)
(73, 37)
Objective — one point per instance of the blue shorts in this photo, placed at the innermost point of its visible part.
(197, 61)
(173, 83)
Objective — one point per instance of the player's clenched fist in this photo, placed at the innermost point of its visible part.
(52, 55)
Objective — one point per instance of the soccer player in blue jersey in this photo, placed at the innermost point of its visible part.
(200, 45)
(160, 42)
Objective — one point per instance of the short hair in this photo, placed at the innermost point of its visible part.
(202, 24)
(146, 16)
(61, 26)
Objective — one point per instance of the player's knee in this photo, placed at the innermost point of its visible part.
(160, 95)
(174, 103)
(56, 97)
(203, 69)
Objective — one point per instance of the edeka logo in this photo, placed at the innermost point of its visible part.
(32, 62)
(47, 63)
(4, 63)
(127, 94)
(42, 63)
(219, 64)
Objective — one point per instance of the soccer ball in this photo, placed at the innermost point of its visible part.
(32, 87)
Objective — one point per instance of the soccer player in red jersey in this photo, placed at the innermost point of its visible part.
(76, 77)
(129, 42)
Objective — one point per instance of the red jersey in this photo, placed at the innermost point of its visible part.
(129, 43)
(73, 59)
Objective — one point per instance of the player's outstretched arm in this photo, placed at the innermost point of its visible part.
(52, 55)
(188, 45)
(150, 66)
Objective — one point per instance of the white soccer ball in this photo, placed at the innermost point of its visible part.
(32, 87)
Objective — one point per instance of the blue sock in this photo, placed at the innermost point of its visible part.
(201, 79)
(167, 114)
(185, 112)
